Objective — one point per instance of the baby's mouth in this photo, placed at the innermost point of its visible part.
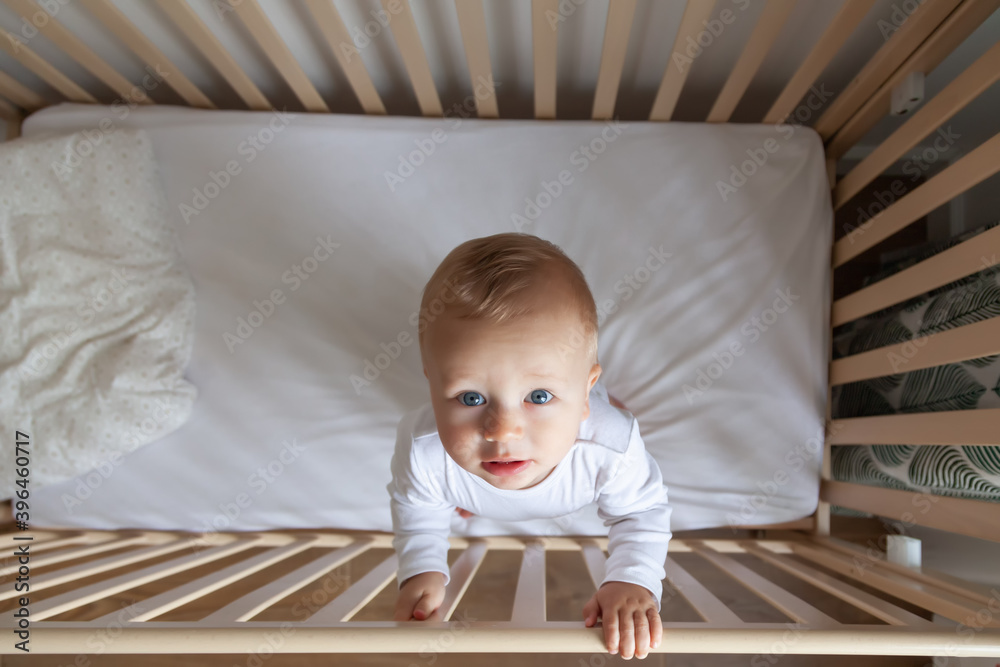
(505, 467)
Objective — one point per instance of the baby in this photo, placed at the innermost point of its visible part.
(517, 430)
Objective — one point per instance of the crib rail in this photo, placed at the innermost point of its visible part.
(825, 586)
(81, 581)
(933, 30)
(919, 46)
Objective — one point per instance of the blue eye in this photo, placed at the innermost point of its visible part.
(472, 398)
(541, 396)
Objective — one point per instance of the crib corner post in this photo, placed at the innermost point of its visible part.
(821, 526)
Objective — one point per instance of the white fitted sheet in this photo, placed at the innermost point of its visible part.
(280, 438)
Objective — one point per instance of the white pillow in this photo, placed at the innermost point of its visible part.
(96, 308)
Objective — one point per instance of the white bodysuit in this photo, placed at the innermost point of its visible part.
(608, 465)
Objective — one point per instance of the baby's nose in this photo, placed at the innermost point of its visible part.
(503, 425)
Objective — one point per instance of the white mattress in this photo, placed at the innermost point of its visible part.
(279, 437)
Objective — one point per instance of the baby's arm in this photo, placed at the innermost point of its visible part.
(633, 502)
(421, 522)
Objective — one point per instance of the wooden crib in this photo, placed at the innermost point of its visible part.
(897, 609)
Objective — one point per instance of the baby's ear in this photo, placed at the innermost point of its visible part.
(595, 373)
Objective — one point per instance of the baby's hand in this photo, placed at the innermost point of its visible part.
(419, 598)
(628, 610)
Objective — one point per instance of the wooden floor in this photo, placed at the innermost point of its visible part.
(568, 589)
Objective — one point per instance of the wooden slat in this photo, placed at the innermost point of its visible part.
(198, 588)
(805, 523)
(123, 29)
(822, 515)
(460, 576)
(53, 542)
(840, 28)
(543, 43)
(926, 597)
(529, 598)
(901, 44)
(103, 589)
(709, 607)
(352, 600)
(695, 14)
(616, 32)
(260, 599)
(404, 31)
(277, 52)
(770, 23)
(83, 570)
(953, 427)
(593, 556)
(974, 518)
(205, 41)
(20, 94)
(78, 51)
(13, 129)
(721, 545)
(46, 72)
(945, 267)
(8, 112)
(831, 172)
(877, 607)
(956, 28)
(78, 552)
(976, 166)
(472, 23)
(970, 84)
(978, 593)
(972, 341)
(788, 604)
(339, 40)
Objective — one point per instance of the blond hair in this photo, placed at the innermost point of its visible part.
(487, 278)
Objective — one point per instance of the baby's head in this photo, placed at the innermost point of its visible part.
(508, 338)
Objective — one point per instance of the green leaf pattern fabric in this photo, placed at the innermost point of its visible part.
(940, 388)
(964, 472)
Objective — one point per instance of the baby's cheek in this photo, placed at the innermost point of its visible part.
(463, 446)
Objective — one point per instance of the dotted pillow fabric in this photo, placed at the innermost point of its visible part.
(96, 305)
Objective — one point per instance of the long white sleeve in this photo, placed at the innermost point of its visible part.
(633, 504)
(421, 519)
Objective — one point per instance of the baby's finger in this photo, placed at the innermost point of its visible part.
(400, 613)
(641, 633)
(429, 602)
(627, 634)
(655, 628)
(610, 621)
(404, 606)
(427, 605)
(435, 616)
(591, 611)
